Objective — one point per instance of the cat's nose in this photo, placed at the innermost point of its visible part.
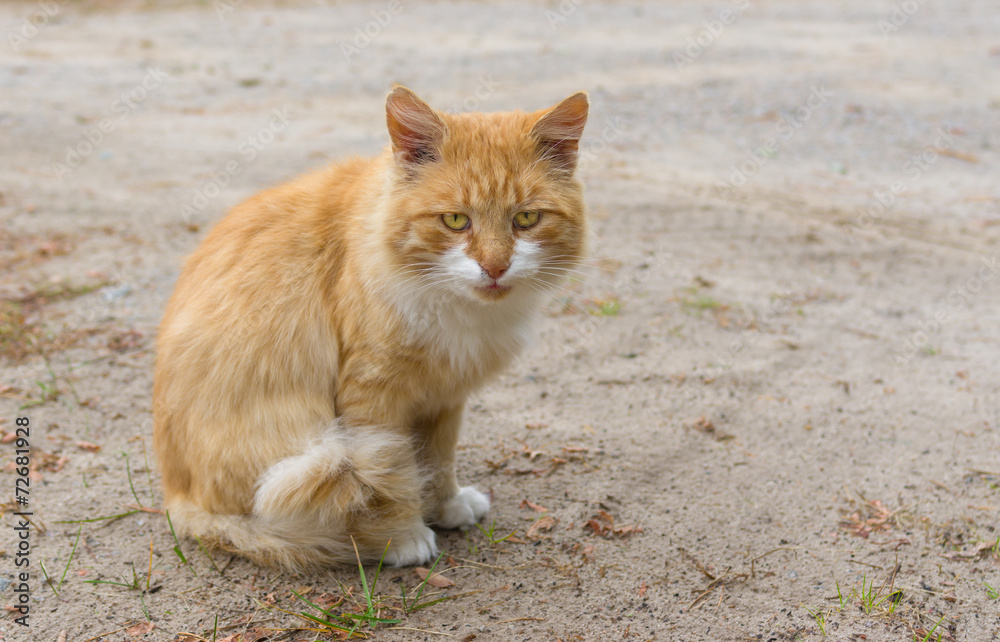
(494, 270)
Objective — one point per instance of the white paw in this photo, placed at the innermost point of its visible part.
(415, 546)
(464, 509)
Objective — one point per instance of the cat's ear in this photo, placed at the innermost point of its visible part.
(415, 129)
(559, 129)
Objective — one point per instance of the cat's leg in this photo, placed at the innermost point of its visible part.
(450, 505)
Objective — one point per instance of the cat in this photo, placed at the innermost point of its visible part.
(315, 357)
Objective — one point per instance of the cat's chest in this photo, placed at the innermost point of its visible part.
(394, 380)
(414, 357)
(467, 344)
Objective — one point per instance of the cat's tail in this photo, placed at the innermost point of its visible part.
(346, 490)
(263, 543)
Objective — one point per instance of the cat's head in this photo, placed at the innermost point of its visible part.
(484, 205)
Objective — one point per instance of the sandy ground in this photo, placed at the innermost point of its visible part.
(779, 377)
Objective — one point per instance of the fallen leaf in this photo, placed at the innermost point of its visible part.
(605, 516)
(595, 526)
(963, 156)
(588, 553)
(603, 525)
(8, 437)
(543, 524)
(255, 635)
(86, 445)
(123, 341)
(526, 503)
(535, 426)
(434, 579)
(982, 549)
(142, 628)
(705, 425)
(626, 531)
(531, 454)
(328, 601)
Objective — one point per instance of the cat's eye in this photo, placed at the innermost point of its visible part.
(457, 222)
(524, 220)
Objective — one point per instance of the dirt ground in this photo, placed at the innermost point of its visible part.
(769, 411)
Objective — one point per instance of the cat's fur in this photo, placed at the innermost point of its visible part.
(315, 357)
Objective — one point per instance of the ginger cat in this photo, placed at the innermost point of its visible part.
(315, 357)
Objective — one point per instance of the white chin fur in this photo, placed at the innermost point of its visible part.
(444, 311)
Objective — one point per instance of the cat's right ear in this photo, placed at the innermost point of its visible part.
(415, 129)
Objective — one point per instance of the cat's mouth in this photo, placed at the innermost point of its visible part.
(494, 291)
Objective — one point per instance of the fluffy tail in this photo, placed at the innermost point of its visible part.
(263, 543)
(346, 489)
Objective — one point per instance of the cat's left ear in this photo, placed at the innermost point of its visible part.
(415, 129)
(559, 129)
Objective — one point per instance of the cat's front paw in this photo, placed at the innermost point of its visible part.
(415, 546)
(464, 509)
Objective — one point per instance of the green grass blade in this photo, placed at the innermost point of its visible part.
(378, 571)
(47, 579)
(326, 623)
(98, 519)
(316, 606)
(931, 632)
(366, 617)
(177, 546)
(128, 471)
(417, 607)
(423, 584)
(204, 550)
(364, 580)
(71, 554)
(96, 582)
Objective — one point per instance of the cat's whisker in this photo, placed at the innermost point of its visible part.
(540, 290)
(587, 290)
(580, 276)
(569, 273)
(597, 261)
(554, 286)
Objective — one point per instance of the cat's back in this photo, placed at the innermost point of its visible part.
(279, 240)
(271, 257)
(309, 213)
